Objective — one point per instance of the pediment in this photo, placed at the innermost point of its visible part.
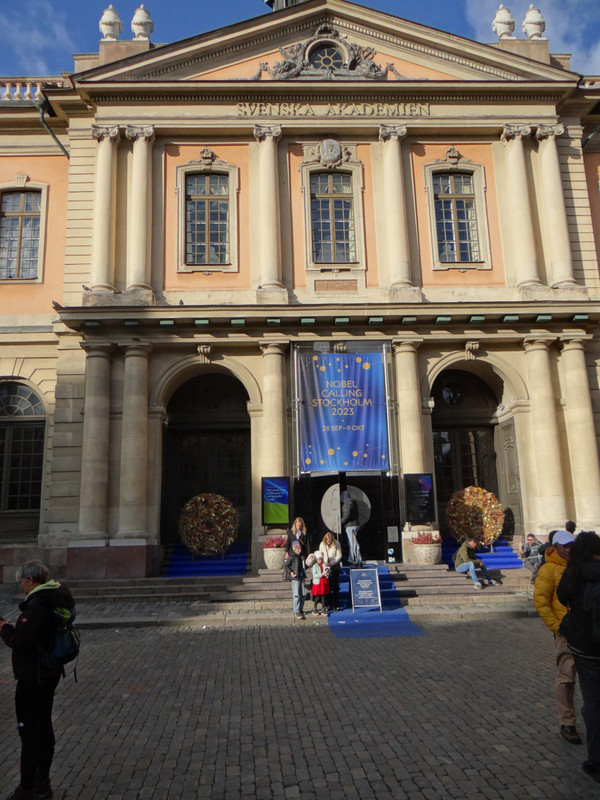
(324, 40)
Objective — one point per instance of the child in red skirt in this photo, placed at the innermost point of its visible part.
(320, 585)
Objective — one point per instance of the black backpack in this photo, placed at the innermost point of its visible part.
(66, 641)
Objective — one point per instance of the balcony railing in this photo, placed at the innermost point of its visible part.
(24, 89)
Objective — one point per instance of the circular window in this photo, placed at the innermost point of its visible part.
(326, 57)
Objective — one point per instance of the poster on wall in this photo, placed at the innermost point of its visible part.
(420, 507)
(275, 501)
(342, 413)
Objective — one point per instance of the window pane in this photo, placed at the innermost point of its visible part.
(207, 219)
(19, 234)
(332, 218)
(455, 218)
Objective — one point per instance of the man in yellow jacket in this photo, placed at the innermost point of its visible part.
(552, 612)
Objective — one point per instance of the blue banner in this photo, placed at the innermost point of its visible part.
(342, 412)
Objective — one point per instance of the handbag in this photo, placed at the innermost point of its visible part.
(286, 572)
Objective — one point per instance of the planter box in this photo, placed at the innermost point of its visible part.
(427, 553)
(274, 557)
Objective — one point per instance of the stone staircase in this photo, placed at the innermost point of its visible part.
(418, 587)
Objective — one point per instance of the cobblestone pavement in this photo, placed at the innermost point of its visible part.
(288, 712)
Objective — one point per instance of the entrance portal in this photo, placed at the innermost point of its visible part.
(463, 436)
(206, 448)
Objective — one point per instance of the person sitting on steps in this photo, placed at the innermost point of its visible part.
(465, 560)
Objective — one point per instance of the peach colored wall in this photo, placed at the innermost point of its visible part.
(36, 298)
(363, 154)
(592, 172)
(423, 154)
(176, 155)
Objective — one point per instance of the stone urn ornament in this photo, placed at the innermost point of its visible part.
(110, 24)
(142, 24)
(503, 24)
(534, 23)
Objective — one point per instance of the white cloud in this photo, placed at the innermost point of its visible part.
(31, 34)
(572, 26)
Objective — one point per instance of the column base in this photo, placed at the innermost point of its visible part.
(272, 295)
(404, 293)
(127, 558)
(98, 296)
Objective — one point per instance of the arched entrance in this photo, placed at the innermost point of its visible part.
(464, 435)
(206, 448)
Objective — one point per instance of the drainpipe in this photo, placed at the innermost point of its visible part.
(42, 106)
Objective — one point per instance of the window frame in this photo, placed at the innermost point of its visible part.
(23, 184)
(216, 167)
(477, 173)
(355, 169)
(20, 422)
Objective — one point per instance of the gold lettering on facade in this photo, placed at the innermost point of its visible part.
(334, 110)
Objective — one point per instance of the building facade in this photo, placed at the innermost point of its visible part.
(180, 224)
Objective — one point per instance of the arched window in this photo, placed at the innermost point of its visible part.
(22, 423)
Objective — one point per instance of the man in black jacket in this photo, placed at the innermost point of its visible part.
(33, 632)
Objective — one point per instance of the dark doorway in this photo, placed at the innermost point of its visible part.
(463, 436)
(380, 505)
(206, 448)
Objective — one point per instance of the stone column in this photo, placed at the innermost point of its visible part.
(274, 427)
(524, 254)
(270, 236)
(133, 496)
(557, 231)
(93, 508)
(396, 223)
(410, 420)
(140, 213)
(103, 267)
(551, 510)
(581, 434)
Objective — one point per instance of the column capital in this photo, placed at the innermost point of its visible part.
(575, 341)
(538, 342)
(97, 348)
(392, 132)
(406, 345)
(513, 132)
(274, 348)
(140, 132)
(136, 348)
(263, 133)
(549, 131)
(103, 133)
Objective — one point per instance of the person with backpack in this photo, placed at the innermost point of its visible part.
(32, 640)
(579, 591)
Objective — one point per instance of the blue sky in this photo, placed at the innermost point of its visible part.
(37, 37)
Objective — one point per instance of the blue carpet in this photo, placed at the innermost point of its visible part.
(184, 565)
(371, 623)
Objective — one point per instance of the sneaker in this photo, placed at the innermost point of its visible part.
(315, 613)
(298, 615)
(492, 582)
(593, 770)
(569, 734)
(478, 585)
